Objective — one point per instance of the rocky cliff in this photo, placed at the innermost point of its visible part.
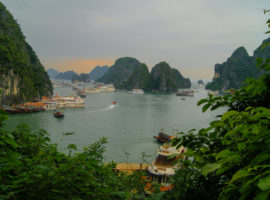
(166, 79)
(22, 75)
(120, 72)
(98, 72)
(238, 67)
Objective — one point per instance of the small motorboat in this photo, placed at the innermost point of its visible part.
(58, 114)
(114, 103)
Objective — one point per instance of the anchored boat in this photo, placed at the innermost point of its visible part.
(163, 137)
(165, 165)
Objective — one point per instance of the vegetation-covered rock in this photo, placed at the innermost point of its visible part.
(166, 79)
(181, 81)
(140, 79)
(238, 67)
(22, 75)
(98, 72)
(120, 72)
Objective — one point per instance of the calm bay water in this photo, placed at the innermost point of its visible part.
(129, 126)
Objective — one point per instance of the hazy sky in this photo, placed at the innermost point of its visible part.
(191, 35)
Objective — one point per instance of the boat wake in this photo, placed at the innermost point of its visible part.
(108, 107)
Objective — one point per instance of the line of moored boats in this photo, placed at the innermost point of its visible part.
(46, 103)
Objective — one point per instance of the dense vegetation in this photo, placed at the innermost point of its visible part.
(237, 68)
(140, 79)
(164, 78)
(230, 159)
(22, 75)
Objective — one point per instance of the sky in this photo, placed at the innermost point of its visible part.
(191, 35)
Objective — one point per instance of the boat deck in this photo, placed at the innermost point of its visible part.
(131, 167)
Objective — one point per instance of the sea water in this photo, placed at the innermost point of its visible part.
(129, 125)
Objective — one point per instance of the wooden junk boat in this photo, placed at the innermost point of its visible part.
(58, 114)
(164, 166)
(163, 137)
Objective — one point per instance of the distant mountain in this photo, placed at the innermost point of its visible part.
(98, 72)
(66, 75)
(52, 73)
(82, 77)
(140, 79)
(120, 72)
(238, 67)
(22, 76)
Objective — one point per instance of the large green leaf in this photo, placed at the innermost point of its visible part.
(205, 107)
(262, 157)
(229, 114)
(202, 101)
(264, 183)
(210, 167)
(223, 153)
(239, 174)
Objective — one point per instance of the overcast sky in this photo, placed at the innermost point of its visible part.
(191, 35)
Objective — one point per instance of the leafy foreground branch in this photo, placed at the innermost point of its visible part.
(231, 158)
(31, 167)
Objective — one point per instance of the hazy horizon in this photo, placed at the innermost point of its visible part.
(191, 36)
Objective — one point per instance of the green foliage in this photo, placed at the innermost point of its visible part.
(31, 167)
(140, 78)
(231, 158)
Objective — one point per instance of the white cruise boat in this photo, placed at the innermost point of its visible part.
(70, 102)
(64, 102)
